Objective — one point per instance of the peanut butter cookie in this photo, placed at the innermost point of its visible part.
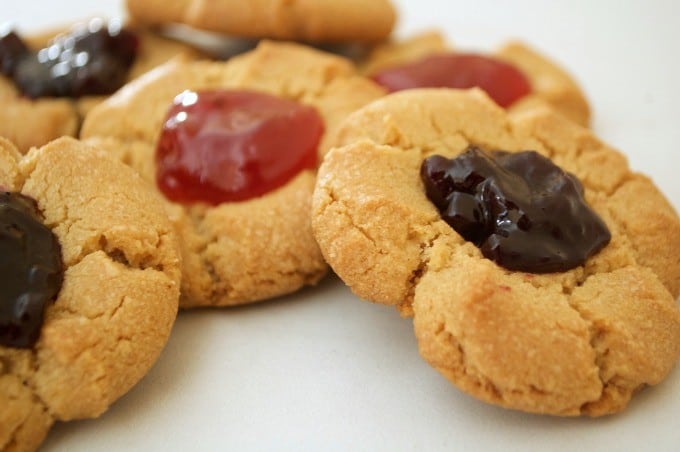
(223, 159)
(90, 285)
(300, 20)
(446, 241)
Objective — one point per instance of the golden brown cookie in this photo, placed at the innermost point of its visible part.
(549, 82)
(237, 252)
(119, 296)
(302, 20)
(575, 342)
(28, 122)
(34, 123)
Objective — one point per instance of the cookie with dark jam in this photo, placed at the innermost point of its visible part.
(31, 270)
(542, 280)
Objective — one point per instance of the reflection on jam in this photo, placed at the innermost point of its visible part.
(92, 59)
(521, 210)
(224, 146)
(31, 270)
(501, 81)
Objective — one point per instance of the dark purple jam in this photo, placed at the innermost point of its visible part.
(12, 49)
(522, 211)
(31, 270)
(92, 59)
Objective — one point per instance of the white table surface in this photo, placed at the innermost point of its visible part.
(322, 370)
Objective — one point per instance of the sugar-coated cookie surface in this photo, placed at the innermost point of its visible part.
(550, 83)
(119, 296)
(237, 252)
(27, 122)
(304, 20)
(577, 342)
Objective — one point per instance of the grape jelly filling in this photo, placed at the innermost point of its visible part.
(226, 146)
(522, 211)
(12, 49)
(504, 83)
(31, 270)
(92, 59)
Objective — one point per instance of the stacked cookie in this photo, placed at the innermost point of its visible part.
(219, 183)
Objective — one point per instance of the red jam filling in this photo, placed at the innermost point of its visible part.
(504, 83)
(226, 146)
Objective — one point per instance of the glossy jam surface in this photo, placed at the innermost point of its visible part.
(92, 59)
(504, 83)
(31, 270)
(225, 146)
(521, 210)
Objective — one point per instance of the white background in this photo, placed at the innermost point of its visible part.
(321, 370)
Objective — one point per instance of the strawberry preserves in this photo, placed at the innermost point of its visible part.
(504, 83)
(226, 146)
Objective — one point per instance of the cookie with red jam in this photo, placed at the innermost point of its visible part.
(514, 76)
(89, 285)
(540, 271)
(48, 82)
(233, 148)
(308, 20)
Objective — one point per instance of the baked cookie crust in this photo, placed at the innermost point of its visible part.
(237, 253)
(301, 20)
(119, 298)
(577, 342)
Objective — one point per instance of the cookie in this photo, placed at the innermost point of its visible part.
(577, 341)
(115, 273)
(313, 21)
(548, 82)
(29, 121)
(251, 249)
